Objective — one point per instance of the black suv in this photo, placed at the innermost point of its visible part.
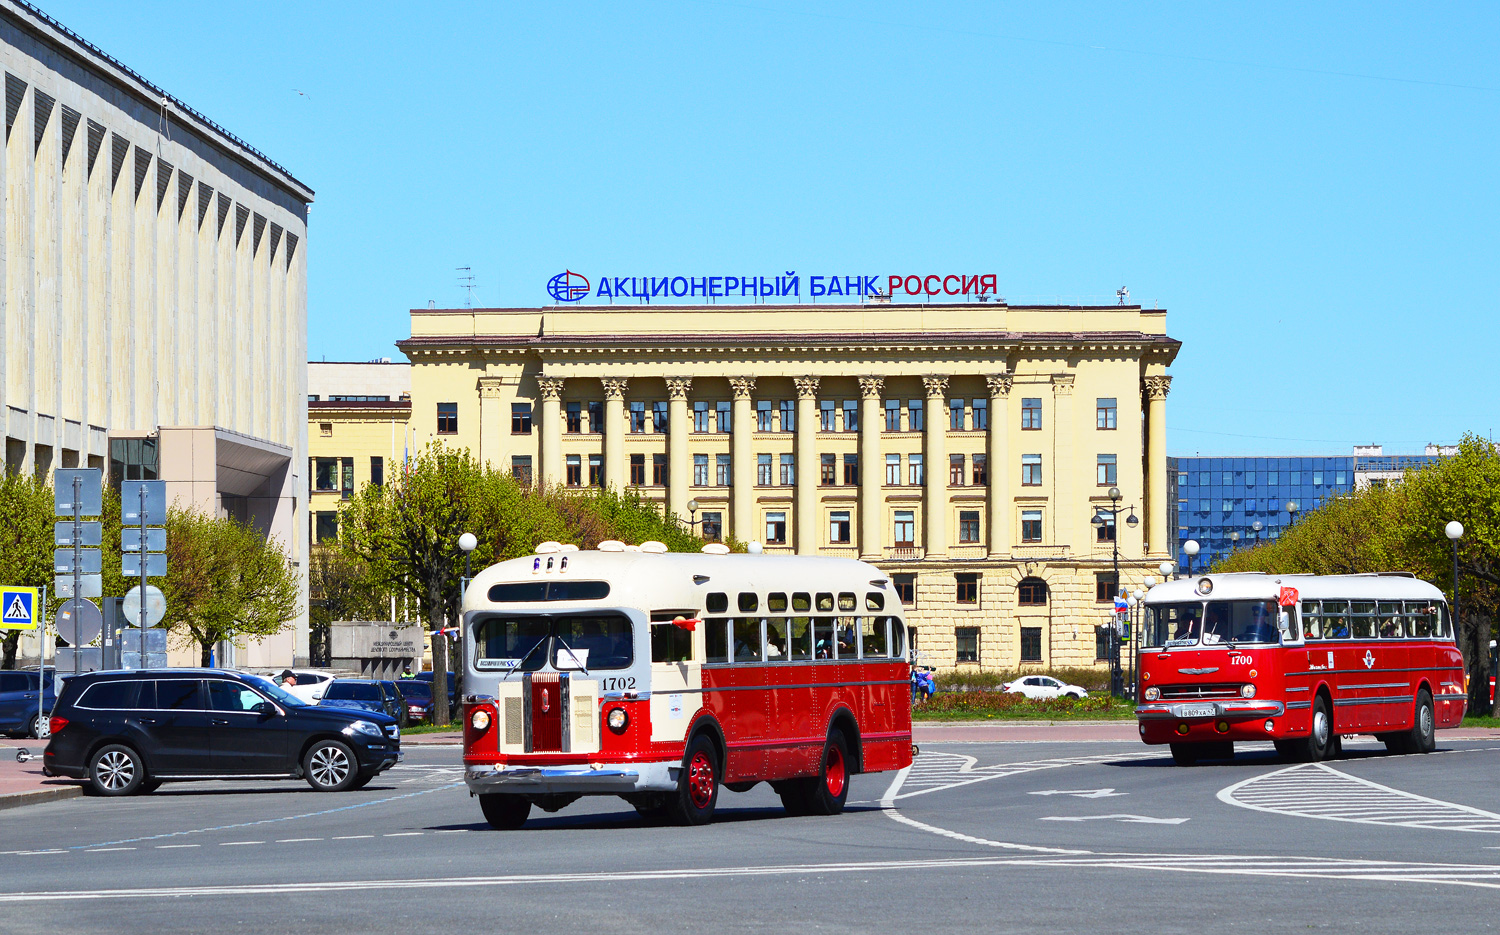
(130, 731)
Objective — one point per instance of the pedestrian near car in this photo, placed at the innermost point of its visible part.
(287, 679)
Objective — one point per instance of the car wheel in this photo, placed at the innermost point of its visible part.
(828, 792)
(697, 784)
(329, 766)
(40, 727)
(116, 770)
(149, 786)
(362, 781)
(504, 812)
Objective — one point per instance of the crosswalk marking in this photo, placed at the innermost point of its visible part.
(1316, 790)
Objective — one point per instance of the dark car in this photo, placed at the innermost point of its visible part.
(130, 731)
(418, 697)
(427, 676)
(364, 695)
(19, 713)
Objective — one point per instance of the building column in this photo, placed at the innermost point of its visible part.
(871, 481)
(808, 477)
(935, 456)
(679, 468)
(998, 466)
(1064, 530)
(614, 432)
(1157, 544)
(550, 431)
(742, 460)
(491, 423)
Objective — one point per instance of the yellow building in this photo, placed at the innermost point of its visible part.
(357, 415)
(963, 448)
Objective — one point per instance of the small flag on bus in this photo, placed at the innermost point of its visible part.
(1288, 597)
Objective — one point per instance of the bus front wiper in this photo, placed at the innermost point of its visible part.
(581, 664)
(522, 663)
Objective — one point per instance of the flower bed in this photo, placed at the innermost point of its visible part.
(979, 704)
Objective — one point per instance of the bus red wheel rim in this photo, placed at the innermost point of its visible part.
(834, 773)
(701, 779)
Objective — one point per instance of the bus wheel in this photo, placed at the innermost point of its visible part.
(504, 812)
(1422, 738)
(1321, 742)
(794, 795)
(827, 793)
(1185, 754)
(697, 784)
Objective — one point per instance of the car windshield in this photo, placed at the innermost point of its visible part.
(345, 690)
(575, 642)
(273, 691)
(411, 688)
(1215, 622)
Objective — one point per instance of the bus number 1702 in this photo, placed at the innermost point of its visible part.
(621, 684)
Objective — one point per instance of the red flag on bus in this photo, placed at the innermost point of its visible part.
(1288, 597)
(684, 623)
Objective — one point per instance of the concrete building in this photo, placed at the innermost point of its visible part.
(154, 292)
(963, 448)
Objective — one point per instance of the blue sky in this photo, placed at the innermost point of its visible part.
(1310, 190)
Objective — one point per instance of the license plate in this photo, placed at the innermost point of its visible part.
(1196, 710)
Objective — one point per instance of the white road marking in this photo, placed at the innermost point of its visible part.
(938, 771)
(352, 837)
(1316, 790)
(238, 843)
(295, 840)
(172, 847)
(1129, 819)
(106, 850)
(1081, 793)
(403, 834)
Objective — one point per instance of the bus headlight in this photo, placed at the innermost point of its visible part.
(1247, 691)
(618, 720)
(1153, 693)
(480, 720)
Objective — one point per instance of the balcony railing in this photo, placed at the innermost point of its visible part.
(904, 554)
(968, 552)
(1034, 551)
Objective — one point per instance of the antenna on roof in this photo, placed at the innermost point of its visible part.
(466, 283)
(1122, 294)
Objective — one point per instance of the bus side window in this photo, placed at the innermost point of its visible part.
(776, 603)
(823, 635)
(1362, 624)
(1312, 622)
(898, 639)
(716, 638)
(1440, 623)
(1419, 620)
(776, 638)
(749, 601)
(717, 602)
(847, 601)
(747, 639)
(848, 637)
(873, 641)
(1390, 621)
(801, 602)
(825, 602)
(874, 600)
(671, 643)
(1335, 620)
(801, 638)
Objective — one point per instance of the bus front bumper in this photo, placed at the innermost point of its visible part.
(1189, 711)
(573, 780)
(1237, 719)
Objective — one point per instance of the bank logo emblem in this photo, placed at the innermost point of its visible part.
(568, 286)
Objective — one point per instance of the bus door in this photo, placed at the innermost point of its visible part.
(676, 676)
(749, 702)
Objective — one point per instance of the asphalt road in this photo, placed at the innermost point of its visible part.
(976, 837)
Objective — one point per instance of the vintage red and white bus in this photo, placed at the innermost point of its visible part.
(1297, 660)
(660, 677)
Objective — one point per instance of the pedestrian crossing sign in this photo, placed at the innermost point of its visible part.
(18, 607)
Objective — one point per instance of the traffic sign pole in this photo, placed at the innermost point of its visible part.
(142, 622)
(41, 657)
(77, 560)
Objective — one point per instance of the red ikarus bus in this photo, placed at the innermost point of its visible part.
(1297, 660)
(661, 677)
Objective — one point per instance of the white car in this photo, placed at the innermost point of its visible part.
(311, 684)
(1044, 686)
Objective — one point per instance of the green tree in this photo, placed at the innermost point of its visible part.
(224, 581)
(340, 586)
(25, 543)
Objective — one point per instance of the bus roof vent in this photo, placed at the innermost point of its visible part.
(567, 547)
(716, 548)
(611, 545)
(545, 547)
(654, 547)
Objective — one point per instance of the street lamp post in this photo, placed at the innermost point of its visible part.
(1455, 531)
(1234, 540)
(1168, 570)
(1190, 549)
(1291, 510)
(692, 506)
(467, 542)
(1256, 527)
(1116, 685)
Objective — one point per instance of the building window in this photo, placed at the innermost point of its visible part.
(659, 420)
(723, 476)
(966, 588)
(596, 416)
(573, 418)
(1341, 478)
(788, 470)
(1249, 506)
(1031, 592)
(1106, 586)
(1031, 525)
(905, 529)
(1031, 470)
(981, 470)
(789, 415)
(1105, 413)
(906, 588)
(637, 417)
(828, 470)
(1031, 413)
(520, 418)
(637, 470)
(851, 470)
(968, 526)
(377, 471)
(700, 470)
(1249, 478)
(763, 470)
(713, 526)
(851, 415)
(967, 639)
(914, 471)
(1106, 471)
(1296, 478)
(1228, 478)
(574, 471)
(1204, 506)
(838, 526)
(1272, 477)
(659, 470)
(1273, 505)
(763, 415)
(325, 429)
(893, 415)
(916, 418)
(956, 415)
(1203, 478)
(1105, 531)
(725, 416)
(776, 528)
(447, 418)
(325, 474)
(596, 470)
(892, 470)
(1101, 644)
(956, 476)
(1031, 644)
(700, 415)
(1227, 506)
(346, 489)
(825, 415)
(1182, 479)
(325, 525)
(981, 409)
(520, 469)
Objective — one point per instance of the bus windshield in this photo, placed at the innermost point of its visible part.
(575, 642)
(1215, 622)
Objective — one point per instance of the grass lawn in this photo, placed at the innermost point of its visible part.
(431, 728)
(1472, 721)
(1001, 706)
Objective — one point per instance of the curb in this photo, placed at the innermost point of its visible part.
(39, 796)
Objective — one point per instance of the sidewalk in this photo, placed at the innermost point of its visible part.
(23, 783)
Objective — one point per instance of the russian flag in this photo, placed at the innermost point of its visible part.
(1121, 606)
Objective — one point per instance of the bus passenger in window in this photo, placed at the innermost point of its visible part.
(747, 639)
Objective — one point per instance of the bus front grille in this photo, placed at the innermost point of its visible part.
(1198, 692)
